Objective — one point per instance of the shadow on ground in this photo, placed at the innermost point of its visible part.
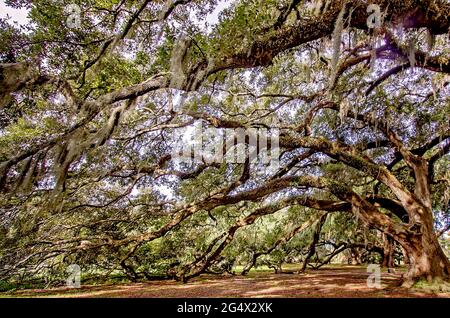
(344, 281)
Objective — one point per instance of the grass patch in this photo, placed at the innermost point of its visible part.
(435, 286)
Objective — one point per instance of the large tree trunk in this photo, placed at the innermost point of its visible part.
(427, 260)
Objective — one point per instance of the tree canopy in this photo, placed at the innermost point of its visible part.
(94, 95)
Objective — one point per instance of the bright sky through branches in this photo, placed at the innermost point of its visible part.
(20, 15)
(17, 15)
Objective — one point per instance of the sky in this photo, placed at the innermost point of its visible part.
(18, 15)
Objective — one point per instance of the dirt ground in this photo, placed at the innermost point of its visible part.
(335, 282)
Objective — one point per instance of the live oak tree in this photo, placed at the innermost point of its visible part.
(90, 112)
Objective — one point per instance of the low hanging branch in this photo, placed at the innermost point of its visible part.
(315, 239)
(414, 229)
(283, 240)
(341, 247)
(202, 263)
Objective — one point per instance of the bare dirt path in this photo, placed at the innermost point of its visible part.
(344, 281)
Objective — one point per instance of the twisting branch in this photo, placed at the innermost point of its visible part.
(283, 240)
(314, 241)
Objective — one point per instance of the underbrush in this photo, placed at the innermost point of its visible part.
(435, 286)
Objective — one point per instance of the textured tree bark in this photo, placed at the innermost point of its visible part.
(13, 76)
(405, 256)
(315, 240)
(427, 260)
(388, 253)
(250, 265)
(129, 271)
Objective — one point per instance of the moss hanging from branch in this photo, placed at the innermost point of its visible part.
(344, 108)
(336, 38)
(117, 115)
(179, 53)
(29, 176)
(412, 53)
(431, 40)
(70, 151)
